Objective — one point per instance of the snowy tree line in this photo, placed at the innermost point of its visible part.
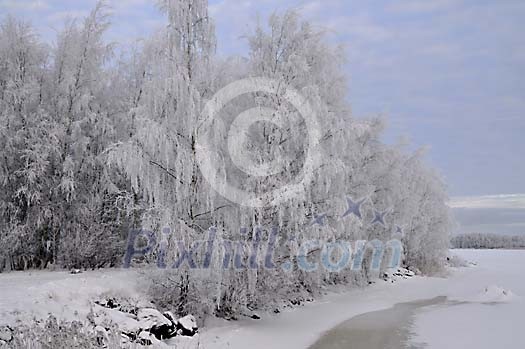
(488, 241)
(97, 139)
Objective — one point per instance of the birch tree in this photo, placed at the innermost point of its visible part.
(25, 148)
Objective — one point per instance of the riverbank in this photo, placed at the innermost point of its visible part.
(303, 327)
(486, 310)
(483, 314)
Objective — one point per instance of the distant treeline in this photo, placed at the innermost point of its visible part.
(479, 240)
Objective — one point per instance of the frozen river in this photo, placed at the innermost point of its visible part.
(480, 309)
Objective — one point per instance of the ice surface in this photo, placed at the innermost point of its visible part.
(487, 310)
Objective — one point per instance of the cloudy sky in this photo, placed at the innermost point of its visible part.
(447, 74)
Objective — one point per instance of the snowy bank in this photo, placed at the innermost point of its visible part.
(301, 327)
(492, 288)
(489, 306)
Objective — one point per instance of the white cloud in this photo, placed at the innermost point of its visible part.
(21, 5)
(360, 27)
(62, 16)
(420, 6)
(489, 201)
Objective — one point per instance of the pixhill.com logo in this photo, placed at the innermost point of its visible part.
(259, 249)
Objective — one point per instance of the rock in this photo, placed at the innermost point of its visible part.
(410, 273)
(415, 270)
(113, 303)
(125, 322)
(6, 334)
(110, 303)
(151, 316)
(187, 326)
(395, 274)
(169, 315)
(146, 338)
(250, 313)
(156, 323)
(128, 338)
(141, 320)
(130, 309)
(296, 301)
(101, 335)
(163, 331)
(101, 330)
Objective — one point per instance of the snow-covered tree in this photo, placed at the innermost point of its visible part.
(57, 121)
(81, 104)
(25, 145)
(92, 146)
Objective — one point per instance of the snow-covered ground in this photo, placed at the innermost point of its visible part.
(485, 306)
(35, 294)
(490, 312)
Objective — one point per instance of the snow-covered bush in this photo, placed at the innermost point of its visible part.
(60, 335)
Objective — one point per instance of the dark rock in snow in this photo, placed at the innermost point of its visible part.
(146, 338)
(6, 334)
(168, 331)
(152, 316)
(187, 326)
(250, 313)
(296, 301)
(396, 274)
(169, 315)
(113, 303)
(153, 321)
(144, 325)
(163, 331)
(129, 336)
(101, 335)
(110, 303)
